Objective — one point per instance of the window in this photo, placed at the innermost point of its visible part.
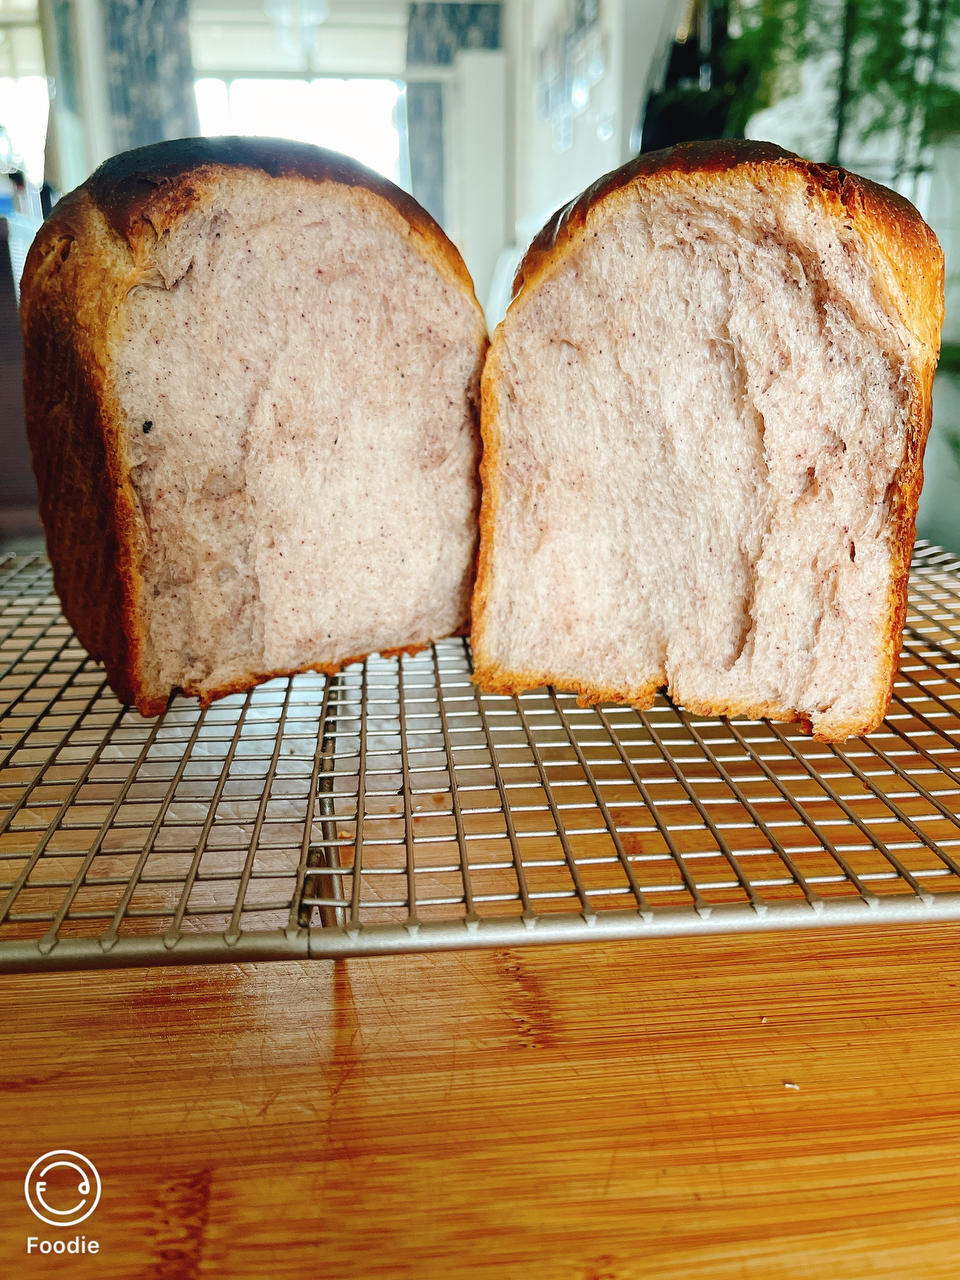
(362, 117)
(23, 90)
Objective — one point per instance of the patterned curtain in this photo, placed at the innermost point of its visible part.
(149, 71)
(435, 33)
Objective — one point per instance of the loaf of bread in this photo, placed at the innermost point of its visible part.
(703, 423)
(252, 391)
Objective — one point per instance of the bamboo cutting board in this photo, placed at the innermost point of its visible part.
(781, 1105)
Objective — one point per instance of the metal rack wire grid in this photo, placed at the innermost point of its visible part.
(393, 807)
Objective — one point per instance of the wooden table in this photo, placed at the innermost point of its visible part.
(760, 1106)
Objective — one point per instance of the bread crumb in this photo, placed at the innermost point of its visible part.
(789, 1084)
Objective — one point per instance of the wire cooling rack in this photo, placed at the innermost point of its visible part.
(392, 807)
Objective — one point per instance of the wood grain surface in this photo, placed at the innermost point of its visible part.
(766, 1106)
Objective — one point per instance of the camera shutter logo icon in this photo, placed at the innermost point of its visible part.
(77, 1186)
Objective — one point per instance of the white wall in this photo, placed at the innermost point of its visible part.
(544, 178)
(475, 196)
(540, 176)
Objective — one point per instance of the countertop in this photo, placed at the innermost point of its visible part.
(776, 1105)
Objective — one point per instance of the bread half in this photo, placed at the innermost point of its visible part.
(252, 386)
(703, 425)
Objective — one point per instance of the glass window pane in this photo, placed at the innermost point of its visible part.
(357, 118)
(361, 117)
(272, 108)
(24, 104)
(213, 107)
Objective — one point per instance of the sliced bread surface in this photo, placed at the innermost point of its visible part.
(703, 421)
(252, 385)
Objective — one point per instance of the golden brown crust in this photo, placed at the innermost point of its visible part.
(87, 256)
(68, 300)
(908, 264)
(486, 672)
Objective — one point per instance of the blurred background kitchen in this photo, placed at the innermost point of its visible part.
(492, 114)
